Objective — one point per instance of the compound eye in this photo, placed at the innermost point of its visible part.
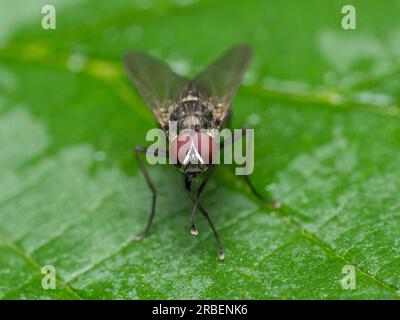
(206, 147)
(199, 148)
(179, 148)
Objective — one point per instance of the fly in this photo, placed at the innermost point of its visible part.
(200, 105)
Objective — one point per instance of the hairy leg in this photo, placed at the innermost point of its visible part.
(138, 151)
(221, 255)
(271, 203)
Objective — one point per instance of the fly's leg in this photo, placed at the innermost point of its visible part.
(275, 204)
(221, 255)
(152, 187)
(188, 187)
(194, 230)
(271, 203)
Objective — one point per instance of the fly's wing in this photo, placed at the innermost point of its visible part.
(157, 83)
(222, 78)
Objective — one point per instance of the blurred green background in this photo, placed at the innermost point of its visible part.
(324, 105)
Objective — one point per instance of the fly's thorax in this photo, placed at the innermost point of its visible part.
(191, 112)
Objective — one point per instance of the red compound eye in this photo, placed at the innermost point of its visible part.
(206, 147)
(179, 147)
(200, 144)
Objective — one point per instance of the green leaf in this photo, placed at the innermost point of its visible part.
(324, 105)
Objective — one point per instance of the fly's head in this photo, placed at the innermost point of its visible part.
(193, 151)
(194, 145)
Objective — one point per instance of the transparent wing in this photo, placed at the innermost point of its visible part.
(222, 78)
(155, 80)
